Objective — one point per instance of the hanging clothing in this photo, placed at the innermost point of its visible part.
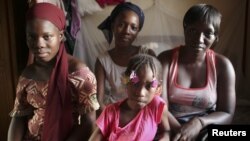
(102, 3)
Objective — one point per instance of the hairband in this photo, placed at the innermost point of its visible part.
(134, 79)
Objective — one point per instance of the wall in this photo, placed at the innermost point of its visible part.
(7, 65)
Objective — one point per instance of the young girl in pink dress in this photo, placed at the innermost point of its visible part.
(143, 115)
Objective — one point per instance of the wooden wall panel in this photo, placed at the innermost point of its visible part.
(248, 42)
(7, 66)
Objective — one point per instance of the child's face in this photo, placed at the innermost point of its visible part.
(43, 39)
(142, 92)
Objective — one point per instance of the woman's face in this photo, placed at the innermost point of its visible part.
(43, 39)
(141, 93)
(125, 28)
(199, 36)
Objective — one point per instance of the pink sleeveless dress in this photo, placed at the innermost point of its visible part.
(142, 128)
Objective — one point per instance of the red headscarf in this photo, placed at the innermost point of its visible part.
(58, 112)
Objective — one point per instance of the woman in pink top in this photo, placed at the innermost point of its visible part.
(200, 84)
(143, 115)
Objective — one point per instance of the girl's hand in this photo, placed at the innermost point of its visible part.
(189, 131)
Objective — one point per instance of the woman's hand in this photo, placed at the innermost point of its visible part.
(189, 131)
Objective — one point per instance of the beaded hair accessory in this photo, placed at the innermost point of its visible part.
(133, 78)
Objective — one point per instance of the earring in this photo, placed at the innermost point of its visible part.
(63, 37)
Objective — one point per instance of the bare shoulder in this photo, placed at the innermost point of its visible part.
(165, 56)
(75, 64)
(224, 65)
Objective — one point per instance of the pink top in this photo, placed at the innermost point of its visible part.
(142, 128)
(189, 101)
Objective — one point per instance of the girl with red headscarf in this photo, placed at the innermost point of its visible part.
(56, 95)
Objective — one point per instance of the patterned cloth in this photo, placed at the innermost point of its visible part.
(56, 126)
(142, 128)
(31, 100)
(190, 101)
